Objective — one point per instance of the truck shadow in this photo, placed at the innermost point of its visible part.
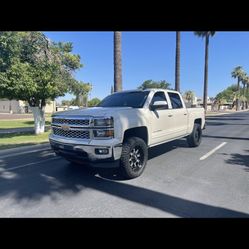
(113, 174)
(28, 186)
(166, 147)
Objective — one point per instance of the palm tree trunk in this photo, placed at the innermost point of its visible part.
(244, 94)
(206, 73)
(177, 62)
(247, 96)
(237, 99)
(117, 62)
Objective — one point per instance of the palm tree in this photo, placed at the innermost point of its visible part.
(189, 96)
(245, 83)
(205, 34)
(117, 62)
(177, 62)
(238, 73)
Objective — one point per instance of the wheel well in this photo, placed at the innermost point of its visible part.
(140, 132)
(198, 121)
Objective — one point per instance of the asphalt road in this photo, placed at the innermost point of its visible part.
(209, 181)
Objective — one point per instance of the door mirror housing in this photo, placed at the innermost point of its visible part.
(159, 105)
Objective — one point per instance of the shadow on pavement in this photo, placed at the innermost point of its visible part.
(31, 184)
(166, 147)
(238, 159)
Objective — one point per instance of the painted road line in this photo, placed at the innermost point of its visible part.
(23, 153)
(212, 151)
(28, 164)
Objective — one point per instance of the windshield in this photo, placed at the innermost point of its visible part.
(125, 99)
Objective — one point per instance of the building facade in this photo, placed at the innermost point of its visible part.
(19, 106)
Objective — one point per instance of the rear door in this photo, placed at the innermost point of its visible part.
(160, 120)
(179, 118)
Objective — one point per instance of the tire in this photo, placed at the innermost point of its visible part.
(133, 158)
(194, 139)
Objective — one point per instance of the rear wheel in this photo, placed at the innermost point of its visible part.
(194, 139)
(134, 157)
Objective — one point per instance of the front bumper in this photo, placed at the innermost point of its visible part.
(85, 151)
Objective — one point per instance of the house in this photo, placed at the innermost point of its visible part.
(210, 103)
(19, 106)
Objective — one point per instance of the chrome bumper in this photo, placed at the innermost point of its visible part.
(85, 150)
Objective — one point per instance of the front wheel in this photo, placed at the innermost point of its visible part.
(194, 139)
(134, 157)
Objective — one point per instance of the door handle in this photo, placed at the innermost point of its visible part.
(170, 115)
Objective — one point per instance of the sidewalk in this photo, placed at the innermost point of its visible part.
(218, 113)
(21, 130)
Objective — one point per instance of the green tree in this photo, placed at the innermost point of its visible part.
(206, 35)
(154, 84)
(117, 62)
(177, 62)
(81, 90)
(238, 73)
(36, 70)
(93, 102)
(66, 102)
(230, 94)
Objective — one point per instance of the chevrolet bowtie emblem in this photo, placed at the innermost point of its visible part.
(65, 127)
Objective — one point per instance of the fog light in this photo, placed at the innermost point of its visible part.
(101, 151)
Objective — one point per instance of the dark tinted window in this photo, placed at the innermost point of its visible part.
(158, 96)
(123, 99)
(175, 100)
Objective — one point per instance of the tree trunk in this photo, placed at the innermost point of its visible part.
(39, 119)
(237, 99)
(177, 62)
(117, 62)
(206, 73)
(246, 96)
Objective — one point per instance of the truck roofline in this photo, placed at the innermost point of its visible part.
(147, 89)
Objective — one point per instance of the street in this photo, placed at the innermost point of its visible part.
(211, 180)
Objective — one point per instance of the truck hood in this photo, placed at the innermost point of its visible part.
(94, 111)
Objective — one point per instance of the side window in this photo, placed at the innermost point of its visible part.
(175, 100)
(158, 96)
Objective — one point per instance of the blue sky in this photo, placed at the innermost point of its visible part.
(151, 55)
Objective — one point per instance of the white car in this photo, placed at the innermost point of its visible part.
(119, 131)
(72, 107)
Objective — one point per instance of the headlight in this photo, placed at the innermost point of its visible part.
(103, 133)
(103, 122)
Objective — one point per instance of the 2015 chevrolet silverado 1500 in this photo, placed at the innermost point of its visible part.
(119, 131)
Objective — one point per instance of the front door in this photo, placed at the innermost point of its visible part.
(160, 121)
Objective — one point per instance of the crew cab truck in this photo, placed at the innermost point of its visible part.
(119, 131)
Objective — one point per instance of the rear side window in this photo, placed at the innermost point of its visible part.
(175, 100)
(158, 96)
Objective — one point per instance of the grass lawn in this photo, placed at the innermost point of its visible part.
(20, 123)
(8, 141)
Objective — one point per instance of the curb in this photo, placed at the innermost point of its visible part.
(24, 148)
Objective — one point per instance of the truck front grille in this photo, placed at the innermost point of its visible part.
(71, 133)
(79, 122)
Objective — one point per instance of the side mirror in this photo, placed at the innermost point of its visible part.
(159, 105)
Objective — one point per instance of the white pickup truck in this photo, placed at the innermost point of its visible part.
(119, 131)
